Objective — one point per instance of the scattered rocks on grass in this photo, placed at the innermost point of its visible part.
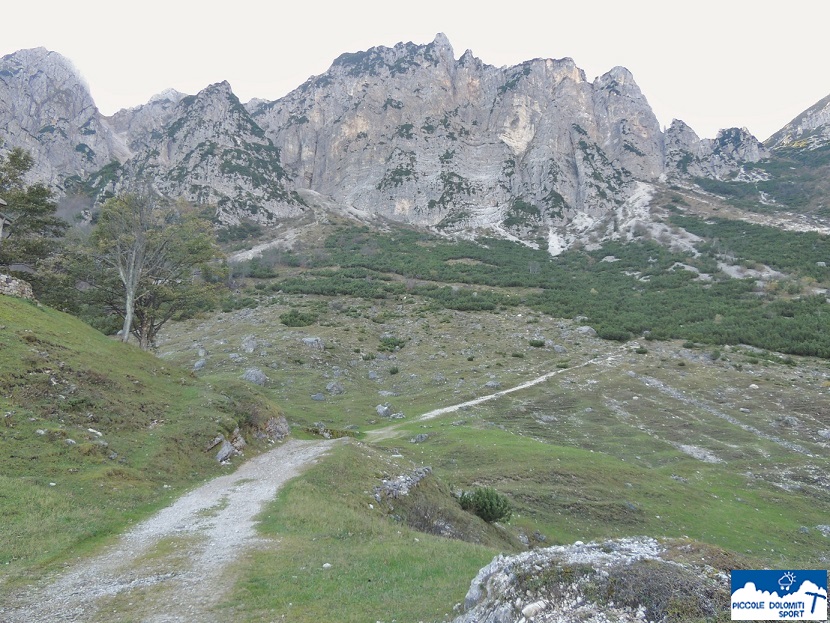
(318, 397)
(419, 438)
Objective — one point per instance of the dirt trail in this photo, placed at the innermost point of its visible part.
(172, 567)
(211, 526)
(389, 431)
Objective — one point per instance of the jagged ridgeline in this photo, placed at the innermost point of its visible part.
(535, 151)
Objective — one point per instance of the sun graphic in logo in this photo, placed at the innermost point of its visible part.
(786, 581)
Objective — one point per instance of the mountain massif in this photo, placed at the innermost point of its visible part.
(535, 152)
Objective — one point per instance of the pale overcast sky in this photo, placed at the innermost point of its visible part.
(713, 64)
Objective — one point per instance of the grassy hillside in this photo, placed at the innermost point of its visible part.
(721, 448)
(95, 434)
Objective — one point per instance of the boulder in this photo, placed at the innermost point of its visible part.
(335, 388)
(314, 342)
(384, 410)
(587, 331)
(255, 376)
(638, 571)
(238, 441)
(226, 451)
(277, 428)
(249, 343)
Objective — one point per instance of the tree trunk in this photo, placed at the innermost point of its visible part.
(128, 315)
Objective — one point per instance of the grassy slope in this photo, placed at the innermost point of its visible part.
(64, 486)
(656, 443)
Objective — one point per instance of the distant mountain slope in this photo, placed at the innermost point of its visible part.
(206, 149)
(809, 129)
(793, 176)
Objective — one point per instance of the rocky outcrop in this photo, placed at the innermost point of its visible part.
(137, 126)
(9, 286)
(205, 149)
(625, 580)
(811, 129)
(46, 108)
(689, 156)
(418, 136)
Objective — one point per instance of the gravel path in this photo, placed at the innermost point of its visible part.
(172, 567)
(212, 525)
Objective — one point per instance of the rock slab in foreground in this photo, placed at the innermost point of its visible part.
(625, 580)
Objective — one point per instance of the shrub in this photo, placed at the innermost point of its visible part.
(487, 503)
(294, 318)
(613, 334)
(537, 343)
(393, 370)
(389, 343)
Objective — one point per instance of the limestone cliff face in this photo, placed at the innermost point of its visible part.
(535, 151)
(810, 130)
(46, 108)
(205, 149)
(419, 136)
(138, 126)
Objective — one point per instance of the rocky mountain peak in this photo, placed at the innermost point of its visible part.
(49, 111)
(534, 151)
(442, 47)
(168, 95)
(688, 155)
(41, 64)
(207, 149)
